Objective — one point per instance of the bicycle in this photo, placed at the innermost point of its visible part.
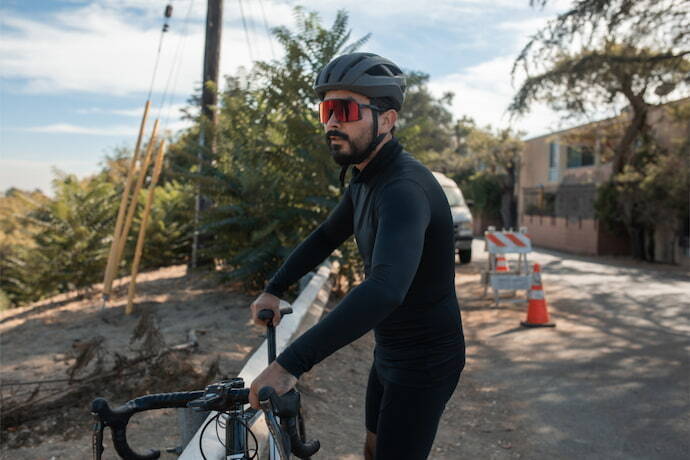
(228, 397)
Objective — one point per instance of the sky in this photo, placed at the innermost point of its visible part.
(75, 74)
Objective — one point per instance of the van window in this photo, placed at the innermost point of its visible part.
(454, 196)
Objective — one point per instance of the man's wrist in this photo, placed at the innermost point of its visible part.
(281, 361)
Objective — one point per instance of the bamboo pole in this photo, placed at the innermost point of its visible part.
(107, 282)
(142, 229)
(119, 249)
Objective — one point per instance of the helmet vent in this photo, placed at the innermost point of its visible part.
(352, 65)
(380, 70)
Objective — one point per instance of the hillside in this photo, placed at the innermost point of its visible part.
(59, 354)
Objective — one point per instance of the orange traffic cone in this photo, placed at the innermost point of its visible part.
(501, 264)
(537, 313)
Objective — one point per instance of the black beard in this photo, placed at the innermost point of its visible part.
(356, 155)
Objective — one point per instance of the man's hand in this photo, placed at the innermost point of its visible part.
(273, 376)
(266, 301)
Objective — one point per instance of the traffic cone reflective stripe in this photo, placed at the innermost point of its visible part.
(537, 312)
(501, 264)
(536, 293)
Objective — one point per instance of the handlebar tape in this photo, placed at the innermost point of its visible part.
(118, 418)
(268, 314)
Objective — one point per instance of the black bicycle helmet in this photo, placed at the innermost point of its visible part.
(363, 73)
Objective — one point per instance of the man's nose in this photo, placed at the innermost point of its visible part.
(332, 122)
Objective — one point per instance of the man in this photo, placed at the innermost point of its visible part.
(404, 231)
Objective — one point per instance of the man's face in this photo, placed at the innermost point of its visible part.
(348, 141)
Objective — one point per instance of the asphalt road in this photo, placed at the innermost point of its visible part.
(611, 381)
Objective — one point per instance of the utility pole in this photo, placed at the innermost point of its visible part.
(209, 101)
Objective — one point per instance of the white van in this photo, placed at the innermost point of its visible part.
(462, 217)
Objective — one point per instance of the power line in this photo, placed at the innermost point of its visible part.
(251, 23)
(268, 32)
(246, 32)
(158, 58)
(177, 64)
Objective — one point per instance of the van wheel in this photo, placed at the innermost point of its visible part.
(465, 255)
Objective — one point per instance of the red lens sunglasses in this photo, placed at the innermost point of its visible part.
(343, 109)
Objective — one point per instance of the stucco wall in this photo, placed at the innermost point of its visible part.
(573, 235)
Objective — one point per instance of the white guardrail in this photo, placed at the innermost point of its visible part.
(306, 311)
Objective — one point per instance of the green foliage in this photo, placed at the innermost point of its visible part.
(585, 81)
(272, 180)
(170, 225)
(71, 248)
(5, 301)
(653, 189)
(485, 163)
(68, 243)
(606, 208)
(631, 21)
(49, 246)
(485, 189)
(425, 123)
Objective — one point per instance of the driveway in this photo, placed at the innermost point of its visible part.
(612, 380)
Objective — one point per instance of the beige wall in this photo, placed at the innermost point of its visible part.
(579, 236)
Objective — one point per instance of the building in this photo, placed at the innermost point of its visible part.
(559, 177)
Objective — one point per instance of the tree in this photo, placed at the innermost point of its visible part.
(497, 154)
(54, 245)
(582, 83)
(425, 123)
(68, 249)
(604, 54)
(16, 241)
(273, 180)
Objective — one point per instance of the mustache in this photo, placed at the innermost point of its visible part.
(336, 133)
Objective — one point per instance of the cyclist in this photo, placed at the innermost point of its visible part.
(404, 231)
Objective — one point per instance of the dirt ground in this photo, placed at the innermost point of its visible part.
(38, 343)
(610, 381)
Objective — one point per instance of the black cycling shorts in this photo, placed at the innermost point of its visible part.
(405, 419)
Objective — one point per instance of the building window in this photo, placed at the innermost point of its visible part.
(580, 156)
(553, 155)
(553, 162)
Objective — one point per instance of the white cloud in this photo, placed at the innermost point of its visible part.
(484, 92)
(525, 26)
(106, 47)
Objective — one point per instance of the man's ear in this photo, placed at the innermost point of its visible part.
(387, 121)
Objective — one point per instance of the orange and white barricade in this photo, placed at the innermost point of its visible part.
(501, 275)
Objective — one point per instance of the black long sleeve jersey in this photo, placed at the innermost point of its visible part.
(404, 232)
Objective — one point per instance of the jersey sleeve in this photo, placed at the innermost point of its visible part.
(315, 248)
(403, 217)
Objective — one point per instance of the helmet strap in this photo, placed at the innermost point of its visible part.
(375, 140)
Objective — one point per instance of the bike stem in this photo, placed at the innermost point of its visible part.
(271, 342)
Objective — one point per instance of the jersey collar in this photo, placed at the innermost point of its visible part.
(386, 155)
